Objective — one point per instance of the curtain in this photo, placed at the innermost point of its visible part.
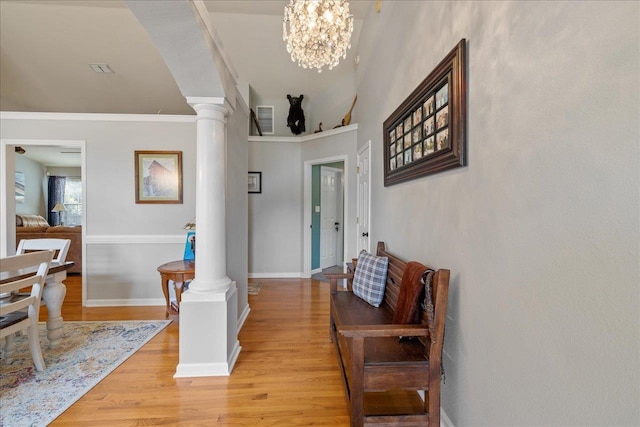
(56, 195)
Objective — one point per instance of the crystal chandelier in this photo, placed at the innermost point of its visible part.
(319, 32)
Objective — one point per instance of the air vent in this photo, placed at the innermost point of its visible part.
(265, 118)
(101, 68)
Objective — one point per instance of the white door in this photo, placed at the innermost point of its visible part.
(329, 224)
(363, 198)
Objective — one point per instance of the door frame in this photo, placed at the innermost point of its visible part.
(306, 200)
(365, 147)
(339, 211)
(8, 204)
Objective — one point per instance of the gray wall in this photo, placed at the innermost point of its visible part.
(237, 203)
(275, 215)
(541, 229)
(34, 186)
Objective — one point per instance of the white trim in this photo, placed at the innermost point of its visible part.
(445, 421)
(184, 370)
(273, 121)
(330, 132)
(305, 138)
(243, 317)
(20, 115)
(7, 201)
(306, 200)
(134, 239)
(315, 271)
(274, 275)
(143, 302)
(365, 147)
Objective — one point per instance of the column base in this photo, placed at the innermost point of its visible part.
(209, 343)
(200, 286)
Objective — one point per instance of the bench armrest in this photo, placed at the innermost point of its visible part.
(373, 331)
(334, 277)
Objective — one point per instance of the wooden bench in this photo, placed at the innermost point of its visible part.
(382, 373)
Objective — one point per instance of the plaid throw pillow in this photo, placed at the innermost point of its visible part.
(370, 277)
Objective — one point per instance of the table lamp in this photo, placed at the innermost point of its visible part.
(59, 207)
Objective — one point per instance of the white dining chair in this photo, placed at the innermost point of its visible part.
(21, 311)
(59, 246)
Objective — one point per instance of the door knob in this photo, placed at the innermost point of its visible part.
(365, 234)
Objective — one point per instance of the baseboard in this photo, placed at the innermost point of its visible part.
(274, 275)
(445, 421)
(187, 370)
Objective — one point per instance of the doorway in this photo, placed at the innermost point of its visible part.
(7, 183)
(313, 208)
(331, 212)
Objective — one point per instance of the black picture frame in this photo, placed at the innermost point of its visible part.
(255, 182)
(434, 116)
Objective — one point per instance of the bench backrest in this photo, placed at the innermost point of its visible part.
(439, 294)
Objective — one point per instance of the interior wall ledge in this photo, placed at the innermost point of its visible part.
(305, 138)
(95, 239)
(26, 115)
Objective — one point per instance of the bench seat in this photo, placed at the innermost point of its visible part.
(384, 374)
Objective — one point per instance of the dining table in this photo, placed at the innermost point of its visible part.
(53, 295)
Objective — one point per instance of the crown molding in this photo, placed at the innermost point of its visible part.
(100, 117)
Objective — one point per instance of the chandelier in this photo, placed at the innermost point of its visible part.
(319, 32)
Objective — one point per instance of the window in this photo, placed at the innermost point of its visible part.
(73, 201)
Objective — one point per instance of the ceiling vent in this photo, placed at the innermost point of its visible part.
(101, 68)
(265, 118)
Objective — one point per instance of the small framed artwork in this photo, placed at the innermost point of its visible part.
(433, 120)
(19, 178)
(255, 182)
(158, 176)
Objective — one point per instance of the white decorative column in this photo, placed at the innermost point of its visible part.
(208, 311)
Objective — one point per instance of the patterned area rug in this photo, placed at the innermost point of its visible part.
(253, 288)
(89, 352)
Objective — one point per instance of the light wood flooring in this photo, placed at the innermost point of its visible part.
(286, 375)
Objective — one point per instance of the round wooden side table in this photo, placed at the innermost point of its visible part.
(178, 272)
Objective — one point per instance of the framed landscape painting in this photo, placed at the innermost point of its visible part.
(158, 176)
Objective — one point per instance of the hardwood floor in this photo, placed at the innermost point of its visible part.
(286, 375)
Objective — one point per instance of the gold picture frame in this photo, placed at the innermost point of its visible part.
(158, 176)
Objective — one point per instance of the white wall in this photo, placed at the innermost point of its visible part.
(541, 229)
(275, 215)
(126, 241)
(237, 202)
(34, 182)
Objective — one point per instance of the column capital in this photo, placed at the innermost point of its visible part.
(204, 104)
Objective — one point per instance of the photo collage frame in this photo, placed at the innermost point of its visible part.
(423, 132)
(427, 132)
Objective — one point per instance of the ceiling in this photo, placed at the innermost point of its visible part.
(53, 155)
(46, 47)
